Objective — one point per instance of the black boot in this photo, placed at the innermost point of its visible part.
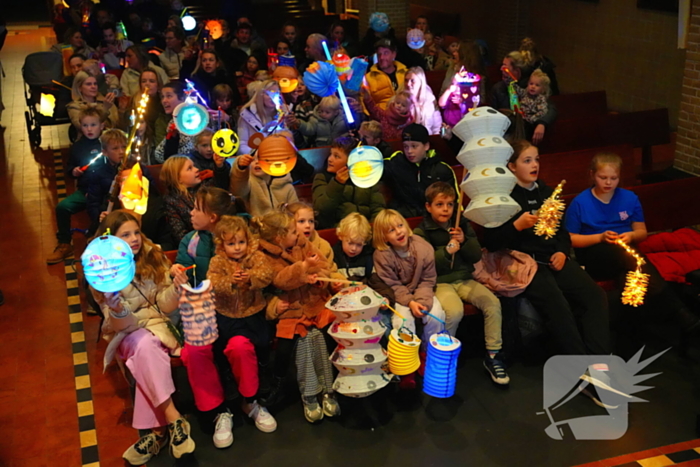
(275, 394)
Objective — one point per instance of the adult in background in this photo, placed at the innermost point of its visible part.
(177, 59)
(533, 60)
(290, 32)
(137, 60)
(73, 38)
(313, 51)
(258, 113)
(425, 108)
(209, 72)
(172, 95)
(245, 42)
(387, 75)
(112, 50)
(499, 98)
(379, 28)
(85, 92)
(338, 39)
(106, 82)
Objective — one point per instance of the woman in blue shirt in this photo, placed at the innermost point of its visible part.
(600, 216)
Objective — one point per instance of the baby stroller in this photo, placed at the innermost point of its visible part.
(39, 70)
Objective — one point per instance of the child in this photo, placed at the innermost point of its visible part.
(102, 173)
(456, 251)
(533, 100)
(182, 180)
(409, 173)
(335, 195)
(448, 54)
(83, 151)
(598, 217)
(352, 254)
(261, 192)
(223, 101)
(197, 247)
(371, 134)
(300, 309)
(397, 115)
(239, 272)
(136, 328)
(304, 219)
(326, 124)
(406, 263)
(559, 281)
(213, 169)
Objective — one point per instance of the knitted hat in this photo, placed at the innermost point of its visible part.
(415, 132)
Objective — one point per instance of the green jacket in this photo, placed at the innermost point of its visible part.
(203, 253)
(333, 200)
(465, 258)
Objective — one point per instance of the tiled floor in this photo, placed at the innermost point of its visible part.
(39, 415)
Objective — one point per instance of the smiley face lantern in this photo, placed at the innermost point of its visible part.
(485, 154)
(225, 142)
(277, 156)
(415, 39)
(366, 165)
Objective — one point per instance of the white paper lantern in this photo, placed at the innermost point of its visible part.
(358, 334)
(355, 303)
(488, 179)
(481, 122)
(361, 385)
(359, 361)
(491, 210)
(487, 150)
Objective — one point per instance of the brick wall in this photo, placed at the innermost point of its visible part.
(688, 140)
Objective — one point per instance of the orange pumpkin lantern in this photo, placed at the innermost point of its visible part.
(277, 156)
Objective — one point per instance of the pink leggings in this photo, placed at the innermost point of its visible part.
(204, 378)
(149, 363)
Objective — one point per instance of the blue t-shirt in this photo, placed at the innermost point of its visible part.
(587, 215)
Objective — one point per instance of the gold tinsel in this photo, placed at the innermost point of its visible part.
(636, 283)
(550, 214)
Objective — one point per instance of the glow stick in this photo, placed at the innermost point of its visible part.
(84, 168)
(191, 89)
(341, 281)
(341, 92)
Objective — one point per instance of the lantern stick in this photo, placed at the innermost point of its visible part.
(550, 214)
(194, 276)
(341, 281)
(637, 281)
(427, 313)
(189, 267)
(459, 215)
(61, 84)
(341, 91)
(386, 304)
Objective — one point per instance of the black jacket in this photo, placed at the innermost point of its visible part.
(507, 236)
(360, 268)
(221, 177)
(408, 181)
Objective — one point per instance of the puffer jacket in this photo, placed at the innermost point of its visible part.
(412, 278)
(674, 254)
(142, 314)
(380, 84)
(334, 200)
(391, 121)
(322, 130)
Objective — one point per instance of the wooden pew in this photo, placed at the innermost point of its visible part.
(642, 129)
(574, 167)
(434, 79)
(580, 104)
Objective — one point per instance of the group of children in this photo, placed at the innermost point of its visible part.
(275, 268)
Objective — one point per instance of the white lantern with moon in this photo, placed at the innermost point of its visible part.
(488, 181)
(360, 359)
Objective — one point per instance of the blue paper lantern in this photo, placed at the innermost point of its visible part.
(321, 79)
(441, 365)
(190, 118)
(359, 69)
(108, 264)
(379, 21)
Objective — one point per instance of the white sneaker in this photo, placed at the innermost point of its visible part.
(313, 412)
(145, 448)
(223, 433)
(263, 420)
(331, 408)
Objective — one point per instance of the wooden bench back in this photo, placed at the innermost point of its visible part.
(580, 104)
